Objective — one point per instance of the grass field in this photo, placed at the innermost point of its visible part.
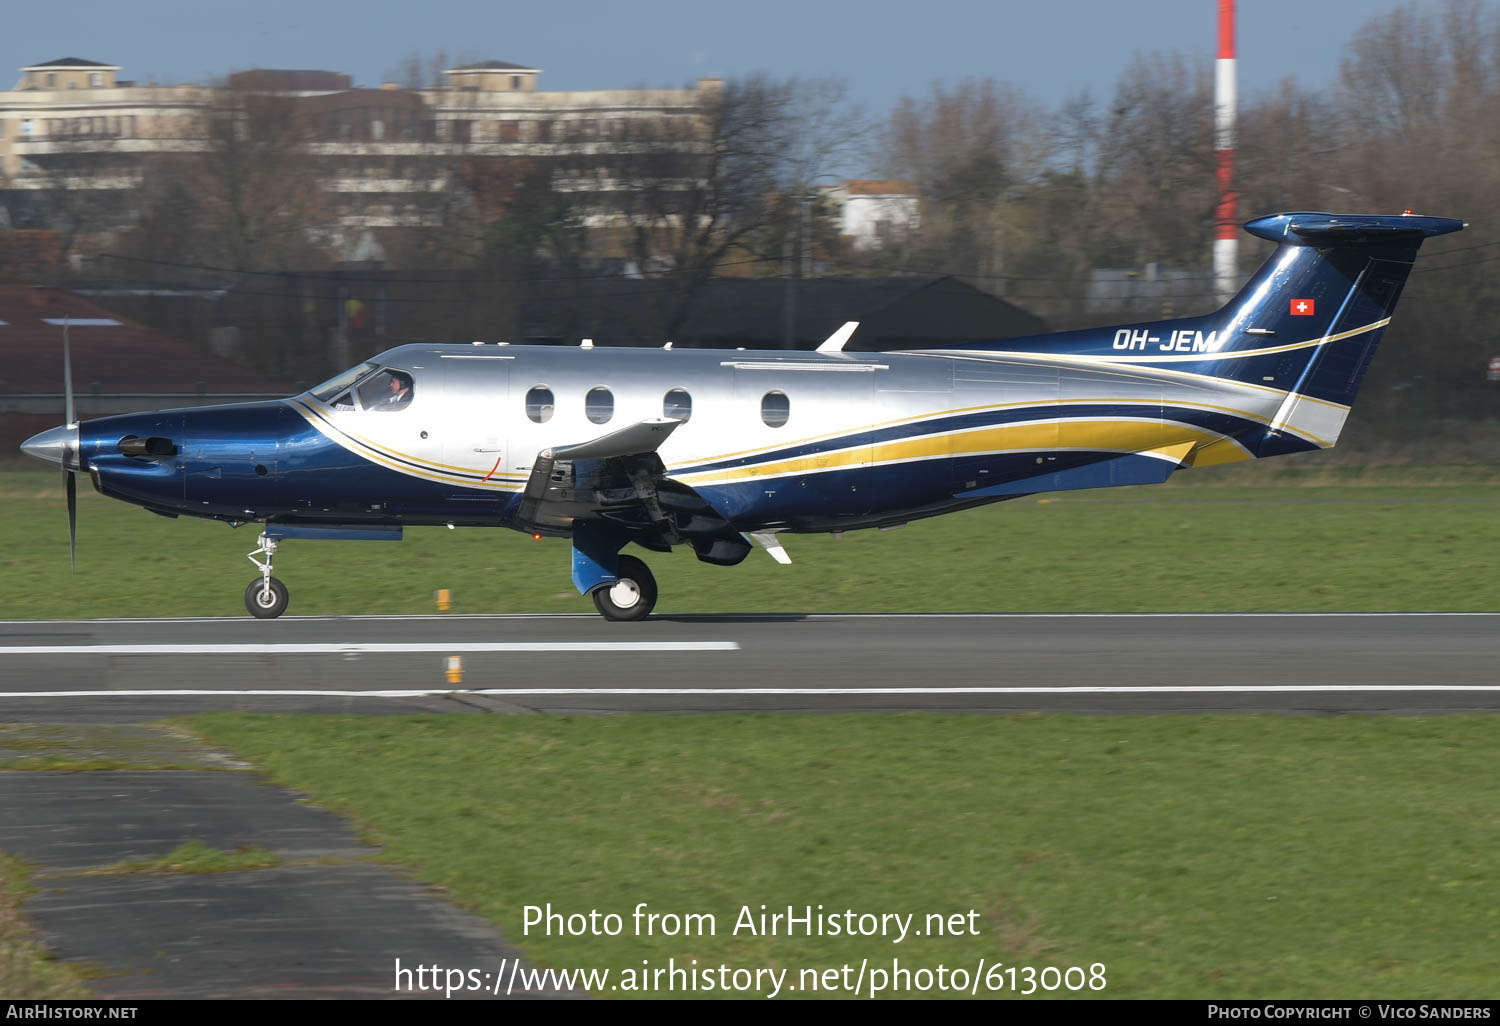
(1194, 856)
(1296, 537)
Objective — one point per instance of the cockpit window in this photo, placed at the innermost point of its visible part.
(334, 386)
(386, 392)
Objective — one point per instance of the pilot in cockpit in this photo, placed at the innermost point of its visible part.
(397, 394)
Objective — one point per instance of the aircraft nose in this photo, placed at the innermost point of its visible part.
(55, 445)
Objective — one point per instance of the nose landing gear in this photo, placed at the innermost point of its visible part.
(267, 597)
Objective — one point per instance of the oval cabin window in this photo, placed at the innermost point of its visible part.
(539, 404)
(775, 408)
(677, 405)
(599, 404)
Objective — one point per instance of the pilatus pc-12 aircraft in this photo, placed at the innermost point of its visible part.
(718, 449)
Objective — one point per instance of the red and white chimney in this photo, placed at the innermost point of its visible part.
(1226, 227)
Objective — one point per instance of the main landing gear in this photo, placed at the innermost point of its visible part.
(632, 596)
(266, 598)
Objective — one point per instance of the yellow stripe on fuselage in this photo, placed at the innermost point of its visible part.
(1104, 435)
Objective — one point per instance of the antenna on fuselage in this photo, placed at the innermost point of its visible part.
(587, 343)
(835, 343)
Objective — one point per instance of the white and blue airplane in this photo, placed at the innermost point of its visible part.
(720, 449)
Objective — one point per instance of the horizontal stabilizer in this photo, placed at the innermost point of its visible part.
(1318, 229)
(646, 436)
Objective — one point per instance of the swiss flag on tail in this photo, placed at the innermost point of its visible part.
(1302, 308)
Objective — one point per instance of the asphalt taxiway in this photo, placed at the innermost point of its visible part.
(124, 670)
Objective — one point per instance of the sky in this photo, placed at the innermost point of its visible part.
(884, 49)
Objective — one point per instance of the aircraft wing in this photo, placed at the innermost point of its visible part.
(637, 439)
(620, 483)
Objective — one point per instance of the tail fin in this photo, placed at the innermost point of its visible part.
(1312, 317)
(1299, 336)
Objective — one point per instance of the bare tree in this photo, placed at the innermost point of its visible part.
(1157, 161)
(257, 183)
(971, 151)
(691, 191)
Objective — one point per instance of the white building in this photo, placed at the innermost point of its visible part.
(875, 213)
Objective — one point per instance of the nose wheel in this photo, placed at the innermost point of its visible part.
(266, 597)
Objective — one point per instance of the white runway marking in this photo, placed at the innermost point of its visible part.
(356, 648)
(558, 692)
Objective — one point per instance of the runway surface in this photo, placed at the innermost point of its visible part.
(324, 922)
(122, 670)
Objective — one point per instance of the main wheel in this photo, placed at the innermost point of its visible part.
(632, 596)
(263, 606)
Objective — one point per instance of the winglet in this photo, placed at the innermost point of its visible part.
(835, 343)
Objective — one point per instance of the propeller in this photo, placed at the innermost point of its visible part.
(70, 481)
(60, 445)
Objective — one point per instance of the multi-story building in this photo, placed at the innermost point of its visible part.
(73, 133)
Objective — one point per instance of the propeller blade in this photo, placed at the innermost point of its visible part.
(70, 483)
(72, 520)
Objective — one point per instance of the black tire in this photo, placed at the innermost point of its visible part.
(260, 610)
(632, 597)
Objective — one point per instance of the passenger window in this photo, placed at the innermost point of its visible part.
(386, 392)
(677, 405)
(599, 404)
(775, 408)
(539, 404)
